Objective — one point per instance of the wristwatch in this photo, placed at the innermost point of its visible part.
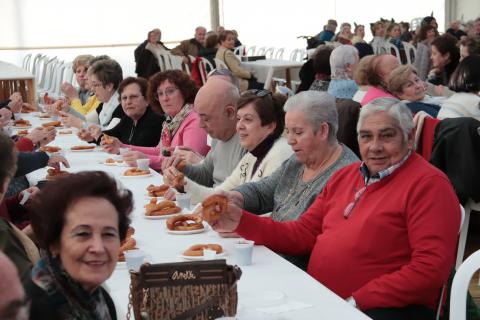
(352, 301)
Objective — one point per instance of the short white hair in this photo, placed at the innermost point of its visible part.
(318, 107)
(341, 57)
(394, 108)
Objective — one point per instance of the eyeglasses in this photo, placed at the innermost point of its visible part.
(168, 92)
(260, 93)
(348, 210)
(132, 97)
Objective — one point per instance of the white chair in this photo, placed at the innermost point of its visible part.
(26, 61)
(238, 51)
(279, 54)
(410, 52)
(68, 73)
(205, 68)
(35, 63)
(269, 53)
(389, 47)
(285, 91)
(469, 206)
(220, 64)
(261, 51)
(298, 55)
(251, 51)
(460, 284)
(176, 62)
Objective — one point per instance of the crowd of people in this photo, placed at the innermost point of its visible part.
(330, 178)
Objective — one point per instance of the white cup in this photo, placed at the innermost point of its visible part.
(17, 116)
(183, 200)
(243, 251)
(123, 151)
(134, 259)
(209, 254)
(143, 164)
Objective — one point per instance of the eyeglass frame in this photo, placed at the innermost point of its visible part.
(172, 90)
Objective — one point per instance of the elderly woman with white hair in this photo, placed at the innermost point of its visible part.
(343, 62)
(382, 233)
(311, 124)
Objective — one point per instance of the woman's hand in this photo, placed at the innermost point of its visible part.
(95, 130)
(229, 221)
(113, 147)
(42, 136)
(170, 195)
(71, 121)
(55, 161)
(69, 91)
(131, 157)
(85, 135)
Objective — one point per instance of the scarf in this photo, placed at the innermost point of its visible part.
(170, 127)
(70, 300)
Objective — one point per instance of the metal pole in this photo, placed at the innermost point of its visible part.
(214, 14)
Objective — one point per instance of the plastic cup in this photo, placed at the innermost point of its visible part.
(123, 151)
(17, 116)
(243, 251)
(209, 254)
(134, 259)
(143, 164)
(183, 200)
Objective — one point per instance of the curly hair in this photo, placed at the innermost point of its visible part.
(177, 77)
(49, 208)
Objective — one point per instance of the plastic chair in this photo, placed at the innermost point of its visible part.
(26, 61)
(205, 68)
(389, 47)
(298, 55)
(469, 206)
(410, 52)
(239, 51)
(35, 63)
(261, 51)
(460, 284)
(251, 51)
(269, 53)
(279, 54)
(68, 73)
(220, 64)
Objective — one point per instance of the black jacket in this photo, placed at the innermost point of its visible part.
(146, 133)
(146, 63)
(456, 151)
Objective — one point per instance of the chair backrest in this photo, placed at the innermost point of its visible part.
(26, 61)
(41, 70)
(298, 55)
(50, 68)
(410, 52)
(285, 90)
(205, 68)
(57, 79)
(261, 51)
(392, 49)
(460, 284)
(251, 51)
(220, 64)
(279, 54)
(269, 53)
(176, 62)
(35, 63)
(239, 51)
(68, 73)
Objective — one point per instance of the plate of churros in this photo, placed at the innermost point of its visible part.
(185, 224)
(163, 209)
(83, 148)
(136, 173)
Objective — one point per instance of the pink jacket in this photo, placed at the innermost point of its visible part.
(374, 93)
(189, 134)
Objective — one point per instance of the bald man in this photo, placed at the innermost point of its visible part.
(12, 296)
(191, 47)
(216, 104)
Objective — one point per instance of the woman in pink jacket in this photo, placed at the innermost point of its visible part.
(171, 92)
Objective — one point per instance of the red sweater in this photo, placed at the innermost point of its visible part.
(24, 144)
(396, 248)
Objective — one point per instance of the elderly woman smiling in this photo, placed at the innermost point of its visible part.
(79, 226)
(374, 233)
(173, 93)
(311, 124)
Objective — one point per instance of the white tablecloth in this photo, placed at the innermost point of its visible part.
(269, 275)
(265, 70)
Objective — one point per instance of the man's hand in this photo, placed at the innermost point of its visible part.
(15, 106)
(55, 161)
(95, 130)
(188, 154)
(85, 135)
(172, 161)
(42, 136)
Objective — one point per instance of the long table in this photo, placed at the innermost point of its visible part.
(270, 281)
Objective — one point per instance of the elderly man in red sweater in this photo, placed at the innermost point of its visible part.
(383, 232)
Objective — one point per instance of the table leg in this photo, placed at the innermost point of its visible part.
(288, 78)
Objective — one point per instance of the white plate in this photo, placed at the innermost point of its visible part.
(141, 176)
(199, 258)
(121, 265)
(21, 127)
(166, 216)
(121, 164)
(82, 150)
(187, 232)
(111, 164)
(64, 134)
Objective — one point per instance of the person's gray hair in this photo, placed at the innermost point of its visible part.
(394, 108)
(341, 57)
(318, 107)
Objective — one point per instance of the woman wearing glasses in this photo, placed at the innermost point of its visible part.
(172, 92)
(140, 127)
(382, 234)
(260, 124)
